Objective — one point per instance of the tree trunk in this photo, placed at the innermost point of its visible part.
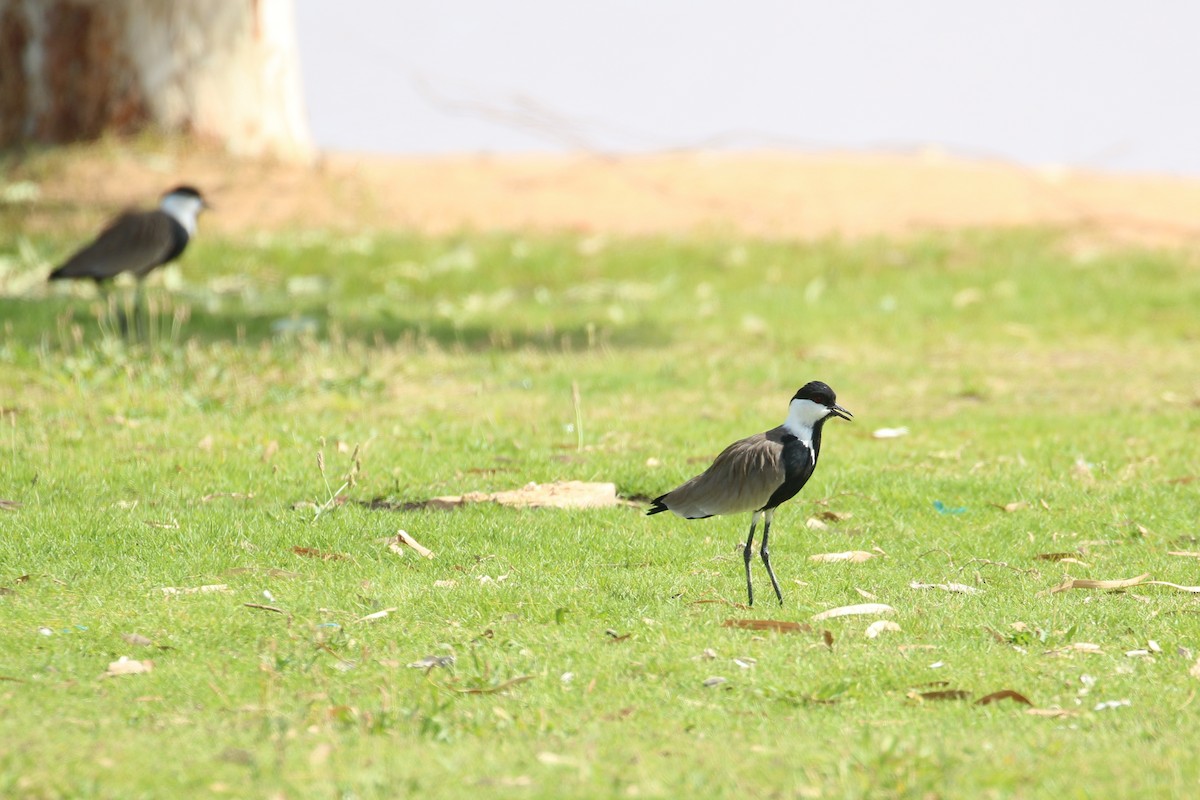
(72, 70)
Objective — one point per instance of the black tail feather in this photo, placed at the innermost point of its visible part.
(657, 506)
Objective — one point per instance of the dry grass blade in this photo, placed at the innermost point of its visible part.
(1086, 583)
(405, 538)
(1076, 647)
(855, 610)
(957, 588)
(851, 556)
(779, 626)
(378, 615)
(1183, 553)
(9, 505)
(1051, 713)
(172, 591)
(720, 601)
(1189, 589)
(273, 572)
(1003, 694)
(208, 498)
(263, 607)
(500, 687)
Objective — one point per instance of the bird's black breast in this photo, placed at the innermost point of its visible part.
(798, 464)
(179, 240)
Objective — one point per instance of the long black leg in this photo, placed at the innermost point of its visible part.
(111, 309)
(766, 557)
(141, 318)
(748, 553)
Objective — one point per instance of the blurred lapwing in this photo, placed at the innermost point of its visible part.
(760, 472)
(138, 242)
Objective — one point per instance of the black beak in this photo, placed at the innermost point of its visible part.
(838, 411)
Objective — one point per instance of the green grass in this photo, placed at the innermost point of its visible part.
(450, 363)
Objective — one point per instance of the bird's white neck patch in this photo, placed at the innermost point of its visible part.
(802, 416)
(184, 208)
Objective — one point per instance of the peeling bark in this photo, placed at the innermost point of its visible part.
(73, 70)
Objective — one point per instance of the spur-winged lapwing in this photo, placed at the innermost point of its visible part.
(760, 472)
(138, 242)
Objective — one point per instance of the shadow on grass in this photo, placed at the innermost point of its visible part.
(63, 321)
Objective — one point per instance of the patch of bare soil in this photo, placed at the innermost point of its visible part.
(766, 194)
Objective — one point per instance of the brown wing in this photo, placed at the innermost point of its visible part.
(134, 242)
(742, 478)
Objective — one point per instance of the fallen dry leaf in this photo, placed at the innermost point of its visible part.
(136, 639)
(880, 626)
(312, 552)
(560, 494)
(171, 591)
(958, 588)
(1195, 670)
(320, 754)
(1003, 694)
(889, 433)
(208, 498)
(557, 760)
(815, 524)
(779, 626)
(855, 610)
(377, 615)
(1057, 556)
(1084, 583)
(853, 556)
(1011, 507)
(864, 593)
(128, 666)
(206, 443)
(9, 505)
(402, 538)
(431, 662)
(941, 694)
(835, 516)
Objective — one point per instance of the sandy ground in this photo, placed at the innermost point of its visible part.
(769, 194)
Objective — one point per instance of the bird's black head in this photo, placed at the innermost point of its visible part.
(185, 191)
(821, 394)
(184, 203)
